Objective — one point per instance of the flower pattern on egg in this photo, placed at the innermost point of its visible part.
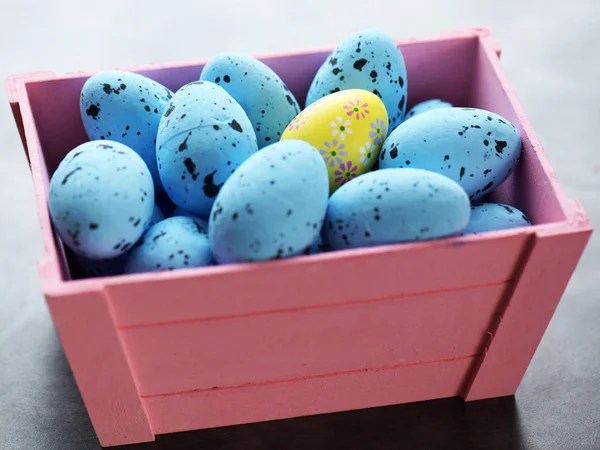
(341, 127)
(378, 132)
(345, 172)
(298, 121)
(333, 152)
(357, 109)
(367, 154)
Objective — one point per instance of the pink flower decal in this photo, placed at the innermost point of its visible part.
(356, 109)
(298, 121)
(345, 172)
(332, 152)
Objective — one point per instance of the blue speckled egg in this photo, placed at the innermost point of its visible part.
(125, 107)
(101, 199)
(157, 215)
(94, 268)
(179, 211)
(266, 99)
(204, 135)
(394, 205)
(272, 206)
(425, 106)
(368, 60)
(494, 216)
(174, 243)
(476, 148)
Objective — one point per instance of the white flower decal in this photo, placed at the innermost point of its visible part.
(341, 127)
(366, 154)
(378, 132)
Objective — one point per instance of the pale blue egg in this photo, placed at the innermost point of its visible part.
(478, 149)
(175, 243)
(394, 205)
(494, 216)
(125, 107)
(204, 135)
(272, 206)
(368, 60)
(266, 99)
(101, 199)
(425, 106)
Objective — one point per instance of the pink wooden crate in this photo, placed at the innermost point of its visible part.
(199, 348)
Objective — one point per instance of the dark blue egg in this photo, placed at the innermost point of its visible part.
(368, 60)
(204, 135)
(266, 99)
(125, 107)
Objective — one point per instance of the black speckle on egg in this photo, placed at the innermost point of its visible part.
(289, 212)
(376, 92)
(400, 81)
(67, 176)
(209, 188)
(333, 91)
(169, 109)
(226, 79)
(147, 108)
(93, 111)
(407, 162)
(106, 88)
(93, 226)
(462, 173)
(401, 104)
(333, 61)
(500, 146)
(183, 145)
(336, 70)
(216, 127)
(373, 74)
(289, 99)
(359, 64)
(486, 142)
(235, 125)
(393, 153)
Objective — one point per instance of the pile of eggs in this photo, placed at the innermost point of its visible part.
(230, 169)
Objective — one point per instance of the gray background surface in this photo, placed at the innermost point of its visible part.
(551, 56)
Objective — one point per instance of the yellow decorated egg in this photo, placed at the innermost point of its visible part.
(348, 128)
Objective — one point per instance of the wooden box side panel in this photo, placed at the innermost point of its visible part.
(320, 280)
(319, 395)
(95, 353)
(324, 341)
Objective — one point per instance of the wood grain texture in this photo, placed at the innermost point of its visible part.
(95, 354)
(361, 389)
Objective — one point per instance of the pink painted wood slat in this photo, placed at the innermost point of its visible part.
(95, 354)
(200, 355)
(519, 328)
(319, 395)
(384, 272)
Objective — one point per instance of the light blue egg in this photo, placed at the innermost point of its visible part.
(101, 199)
(476, 148)
(157, 215)
(494, 216)
(368, 60)
(174, 243)
(394, 205)
(266, 99)
(425, 106)
(125, 107)
(272, 206)
(204, 135)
